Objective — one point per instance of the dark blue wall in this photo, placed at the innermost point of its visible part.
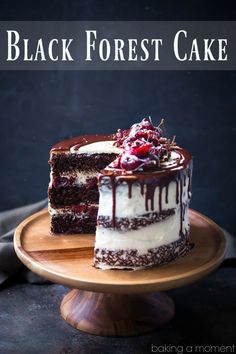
(39, 108)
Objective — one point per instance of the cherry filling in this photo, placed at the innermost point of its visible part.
(87, 210)
(92, 183)
(59, 181)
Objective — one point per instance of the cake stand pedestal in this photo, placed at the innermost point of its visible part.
(115, 302)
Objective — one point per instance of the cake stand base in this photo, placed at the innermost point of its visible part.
(106, 314)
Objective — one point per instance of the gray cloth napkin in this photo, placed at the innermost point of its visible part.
(10, 264)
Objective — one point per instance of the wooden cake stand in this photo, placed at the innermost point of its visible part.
(114, 302)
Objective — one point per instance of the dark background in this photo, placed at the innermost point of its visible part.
(37, 109)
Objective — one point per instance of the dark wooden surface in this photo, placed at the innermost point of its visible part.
(30, 321)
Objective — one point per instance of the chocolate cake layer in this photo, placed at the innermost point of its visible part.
(71, 180)
(124, 224)
(72, 195)
(130, 259)
(71, 224)
(65, 162)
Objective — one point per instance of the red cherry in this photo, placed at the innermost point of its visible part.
(142, 134)
(55, 182)
(92, 183)
(147, 124)
(140, 148)
(130, 162)
(143, 150)
(121, 135)
(82, 208)
(92, 212)
(115, 163)
(134, 130)
(163, 140)
(62, 181)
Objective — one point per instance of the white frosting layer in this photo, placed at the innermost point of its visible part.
(106, 147)
(80, 177)
(152, 236)
(65, 211)
(135, 206)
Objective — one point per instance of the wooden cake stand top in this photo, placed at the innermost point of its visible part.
(68, 259)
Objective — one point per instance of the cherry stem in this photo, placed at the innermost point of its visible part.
(173, 140)
(161, 123)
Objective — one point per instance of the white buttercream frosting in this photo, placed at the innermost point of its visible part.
(152, 236)
(80, 177)
(65, 211)
(99, 147)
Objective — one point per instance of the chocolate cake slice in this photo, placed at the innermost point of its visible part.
(73, 192)
(144, 201)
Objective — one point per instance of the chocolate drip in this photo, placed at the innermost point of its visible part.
(113, 187)
(161, 182)
(184, 211)
(167, 192)
(159, 172)
(130, 183)
(181, 206)
(151, 186)
(189, 183)
(146, 202)
(160, 199)
(185, 180)
(177, 190)
(142, 187)
(80, 141)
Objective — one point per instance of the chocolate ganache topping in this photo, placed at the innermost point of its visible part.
(79, 141)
